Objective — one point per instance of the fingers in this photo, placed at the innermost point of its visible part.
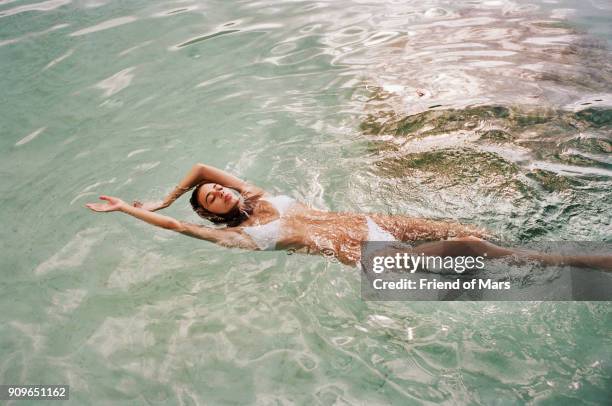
(93, 206)
(111, 204)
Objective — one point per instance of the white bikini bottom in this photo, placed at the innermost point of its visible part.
(376, 233)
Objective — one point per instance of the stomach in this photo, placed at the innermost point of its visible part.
(339, 235)
(334, 235)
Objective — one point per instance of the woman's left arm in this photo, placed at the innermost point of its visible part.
(197, 174)
(208, 173)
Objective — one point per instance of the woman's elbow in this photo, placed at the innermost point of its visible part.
(173, 225)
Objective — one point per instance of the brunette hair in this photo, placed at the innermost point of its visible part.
(239, 213)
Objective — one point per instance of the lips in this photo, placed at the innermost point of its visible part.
(227, 197)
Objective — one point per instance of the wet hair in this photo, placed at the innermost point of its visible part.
(239, 213)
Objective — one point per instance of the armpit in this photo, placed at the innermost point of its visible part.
(252, 190)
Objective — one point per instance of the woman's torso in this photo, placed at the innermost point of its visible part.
(281, 222)
(305, 229)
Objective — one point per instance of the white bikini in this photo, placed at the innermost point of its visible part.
(376, 233)
(267, 235)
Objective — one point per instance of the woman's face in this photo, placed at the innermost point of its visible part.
(216, 198)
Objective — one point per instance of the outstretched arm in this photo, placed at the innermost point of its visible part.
(226, 237)
(200, 173)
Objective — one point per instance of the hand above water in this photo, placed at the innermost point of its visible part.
(114, 204)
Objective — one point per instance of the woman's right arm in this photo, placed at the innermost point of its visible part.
(227, 237)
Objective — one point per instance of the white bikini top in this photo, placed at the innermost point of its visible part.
(266, 235)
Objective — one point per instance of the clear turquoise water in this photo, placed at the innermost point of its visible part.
(122, 97)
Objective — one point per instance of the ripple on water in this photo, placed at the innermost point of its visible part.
(175, 11)
(135, 47)
(74, 253)
(30, 136)
(32, 35)
(205, 37)
(136, 268)
(40, 6)
(115, 22)
(117, 82)
(60, 58)
(66, 301)
(218, 79)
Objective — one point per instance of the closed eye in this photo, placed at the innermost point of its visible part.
(213, 196)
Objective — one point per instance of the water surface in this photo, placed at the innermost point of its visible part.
(495, 113)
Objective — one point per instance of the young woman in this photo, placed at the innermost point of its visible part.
(257, 220)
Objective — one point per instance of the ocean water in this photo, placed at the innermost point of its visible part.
(494, 113)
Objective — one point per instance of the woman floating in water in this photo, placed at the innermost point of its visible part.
(257, 220)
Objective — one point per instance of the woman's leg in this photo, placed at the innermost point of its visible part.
(474, 246)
